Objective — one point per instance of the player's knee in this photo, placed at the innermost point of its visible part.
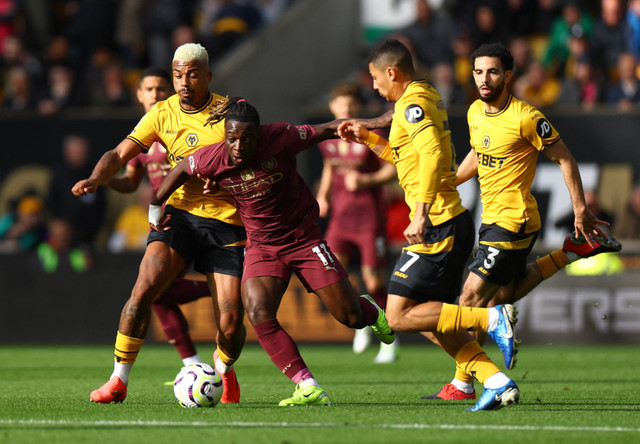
(395, 320)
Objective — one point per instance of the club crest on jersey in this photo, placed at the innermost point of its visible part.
(191, 139)
(343, 148)
(486, 142)
(413, 113)
(247, 174)
(269, 164)
(543, 128)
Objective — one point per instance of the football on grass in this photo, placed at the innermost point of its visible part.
(198, 385)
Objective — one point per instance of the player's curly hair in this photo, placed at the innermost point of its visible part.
(497, 50)
(234, 108)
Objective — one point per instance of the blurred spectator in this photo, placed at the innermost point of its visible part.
(520, 16)
(610, 37)
(7, 18)
(537, 87)
(579, 48)
(430, 35)
(625, 92)
(85, 214)
(113, 91)
(60, 251)
(23, 227)
(522, 57)
(161, 19)
(18, 91)
(629, 225)
(129, 34)
(633, 20)
(462, 48)
(584, 88)
(15, 54)
(132, 227)
(544, 14)
(444, 82)
(573, 22)
(593, 204)
(486, 27)
(59, 92)
(232, 22)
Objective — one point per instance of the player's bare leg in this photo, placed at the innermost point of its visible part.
(159, 267)
(229, 314)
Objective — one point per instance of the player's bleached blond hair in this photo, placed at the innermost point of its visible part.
(190, 52)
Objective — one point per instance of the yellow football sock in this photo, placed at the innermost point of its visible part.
(473, 361)
(461, 375)
(454, 319)
(226, 360)
(552, 263)
(127, 349)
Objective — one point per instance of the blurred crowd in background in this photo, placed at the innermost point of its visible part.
(62, 54)
(56, 54)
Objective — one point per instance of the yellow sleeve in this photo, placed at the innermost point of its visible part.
(430, 156)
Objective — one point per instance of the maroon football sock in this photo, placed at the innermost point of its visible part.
(369, 313)
(281, 348)
(176, 328)
(380, 296)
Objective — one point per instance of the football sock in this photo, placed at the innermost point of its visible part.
(462, 378)
(280, 347)
(369, 313)
(176, 328)
(496, 381)
(552, 263)
(309, 381)
(454, 319)
(127, 349)
(221, 361)
(125, 354)
(463, 386)
(195, 359)
(380, 296)
(475, 362)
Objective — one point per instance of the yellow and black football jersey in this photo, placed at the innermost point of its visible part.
(182, 132)
(420, 147)
(507, 145)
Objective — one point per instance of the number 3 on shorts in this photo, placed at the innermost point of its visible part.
(490, 261)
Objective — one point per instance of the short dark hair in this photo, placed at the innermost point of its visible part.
(497, 50)
(242, 111)
(348, 89)
(392, 53)
(156, 71)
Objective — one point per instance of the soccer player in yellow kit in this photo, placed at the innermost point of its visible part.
(428, 275)
(507, 136)
(204, 228)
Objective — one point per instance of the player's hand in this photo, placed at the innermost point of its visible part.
(590, 226)
(163, 223)
(324, 207)
(413, 233)
(352, 180)
(352, 131)
(83, 187)
(209, 186)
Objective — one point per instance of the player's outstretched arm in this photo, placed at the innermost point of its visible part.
(585, 222)
(331, 130)
(355, 131)
(128, 182)
(174, 180)
(108, 165)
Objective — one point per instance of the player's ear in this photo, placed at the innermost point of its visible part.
(507, 76)
(391, 72)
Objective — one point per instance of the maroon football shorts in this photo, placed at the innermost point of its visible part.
(311, 260)
(371, 244)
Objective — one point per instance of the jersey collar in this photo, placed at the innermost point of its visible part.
(196, 111)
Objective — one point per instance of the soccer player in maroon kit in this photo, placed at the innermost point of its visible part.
(256, 164)
(154, 86)
(350, 194)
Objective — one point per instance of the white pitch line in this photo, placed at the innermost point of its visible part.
(236, 424)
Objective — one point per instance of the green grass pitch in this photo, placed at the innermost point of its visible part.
(569, 394)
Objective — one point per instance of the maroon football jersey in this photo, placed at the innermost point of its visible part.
(274, 202)
(353, 210)
(154, 162)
